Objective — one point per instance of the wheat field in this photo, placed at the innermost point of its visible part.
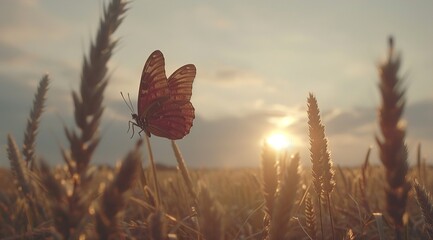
(279, 200)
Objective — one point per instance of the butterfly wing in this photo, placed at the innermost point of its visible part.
(172, 119)
(153, 84)
(180, 83)
(164, 104)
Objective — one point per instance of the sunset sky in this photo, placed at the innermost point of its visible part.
(256, 63)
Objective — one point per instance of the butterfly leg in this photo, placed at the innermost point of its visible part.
(131, 123)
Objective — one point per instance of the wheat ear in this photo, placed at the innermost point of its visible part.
(112, 200)
(328, 180)
(365, 167)
(88, 102)
(18, 170)
(33, 121)
(310, 217)
(285, 200)
(393, 151)
(58, 199)
(426, 204)
(21, 174)
(88, 110)
(323, 174)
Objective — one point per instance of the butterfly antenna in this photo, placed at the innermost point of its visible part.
(131, 103)
(129, 106)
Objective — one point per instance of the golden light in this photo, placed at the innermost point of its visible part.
(278, 141)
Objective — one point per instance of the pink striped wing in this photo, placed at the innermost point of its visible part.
(153, 84)
(180, 83)
(165, 103)
(172, 120)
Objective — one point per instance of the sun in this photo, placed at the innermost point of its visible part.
(278, 140)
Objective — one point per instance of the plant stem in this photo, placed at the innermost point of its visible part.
(320, 217)
(155, 178)
(330, 215)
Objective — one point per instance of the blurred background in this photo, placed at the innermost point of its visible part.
(256, 63)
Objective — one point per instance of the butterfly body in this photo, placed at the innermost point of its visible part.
(164, 106)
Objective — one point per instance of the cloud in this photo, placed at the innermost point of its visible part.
(419, 117)
(231, 141)
(247, 66)
(352, 130)
(14, 60)
(211, 17)
(27, 21)
(9, 53)
(353, 121)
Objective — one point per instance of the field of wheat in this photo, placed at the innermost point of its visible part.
(279, 200)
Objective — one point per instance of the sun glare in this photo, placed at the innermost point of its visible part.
(278, 141)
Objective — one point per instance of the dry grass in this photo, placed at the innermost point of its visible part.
(79, 200)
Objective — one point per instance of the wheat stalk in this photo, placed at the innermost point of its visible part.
(323, 174)
(88, 105)
(157, 225)
(58, 199)
(88, 112)
(112, 200)
(184, 171)
(393, 151)
(285, 199)
(270, 179)
(17, 167)
(270, 183)
(418, 162)
(35, 213)
(314, 126)
(33, 121)
(310, 217)
(88, 102)
(365, 167)
(426, 204)
(154, 172)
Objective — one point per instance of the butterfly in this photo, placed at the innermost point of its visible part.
(164, 108)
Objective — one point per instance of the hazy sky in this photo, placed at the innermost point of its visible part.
(256, 63)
